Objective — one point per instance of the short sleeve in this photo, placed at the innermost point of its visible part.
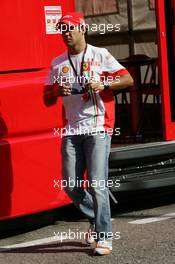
(111, 65)
(52, 76)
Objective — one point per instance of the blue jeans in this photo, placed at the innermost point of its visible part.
(91, 153)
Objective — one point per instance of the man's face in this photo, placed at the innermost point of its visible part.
(72, 35)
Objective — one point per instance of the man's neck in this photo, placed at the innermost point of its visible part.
(77, 49)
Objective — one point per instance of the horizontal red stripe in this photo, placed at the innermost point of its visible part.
(120, 72)
(53, 12)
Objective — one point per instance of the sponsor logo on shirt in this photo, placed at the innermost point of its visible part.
(65, 69)
(86, 66)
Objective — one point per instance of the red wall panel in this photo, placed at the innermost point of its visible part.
(29, 167)
(24, 42)
(29, 152)
(164, 65)
(21, 27)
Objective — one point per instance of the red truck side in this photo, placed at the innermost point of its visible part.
(29, 151)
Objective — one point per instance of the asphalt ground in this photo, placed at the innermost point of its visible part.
(142, 234)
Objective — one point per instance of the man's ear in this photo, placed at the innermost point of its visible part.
(83, 29)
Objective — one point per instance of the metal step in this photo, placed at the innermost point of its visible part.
(143, 166)
(141, 153)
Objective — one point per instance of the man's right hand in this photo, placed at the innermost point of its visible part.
(56, 90)
(63, 90)
(51, 93)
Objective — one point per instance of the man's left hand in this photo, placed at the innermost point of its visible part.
(94, 85)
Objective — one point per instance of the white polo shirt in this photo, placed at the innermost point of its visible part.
(82, 114)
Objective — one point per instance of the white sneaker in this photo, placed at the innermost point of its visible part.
(103, 247)
(90, 235)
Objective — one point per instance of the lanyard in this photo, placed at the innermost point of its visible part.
(81, 71)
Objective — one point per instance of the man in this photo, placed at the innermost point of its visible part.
(86, 76)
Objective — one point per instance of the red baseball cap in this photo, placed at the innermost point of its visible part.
(72, 19)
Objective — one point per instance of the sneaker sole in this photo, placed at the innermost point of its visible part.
(103, 250)
(97, 253)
